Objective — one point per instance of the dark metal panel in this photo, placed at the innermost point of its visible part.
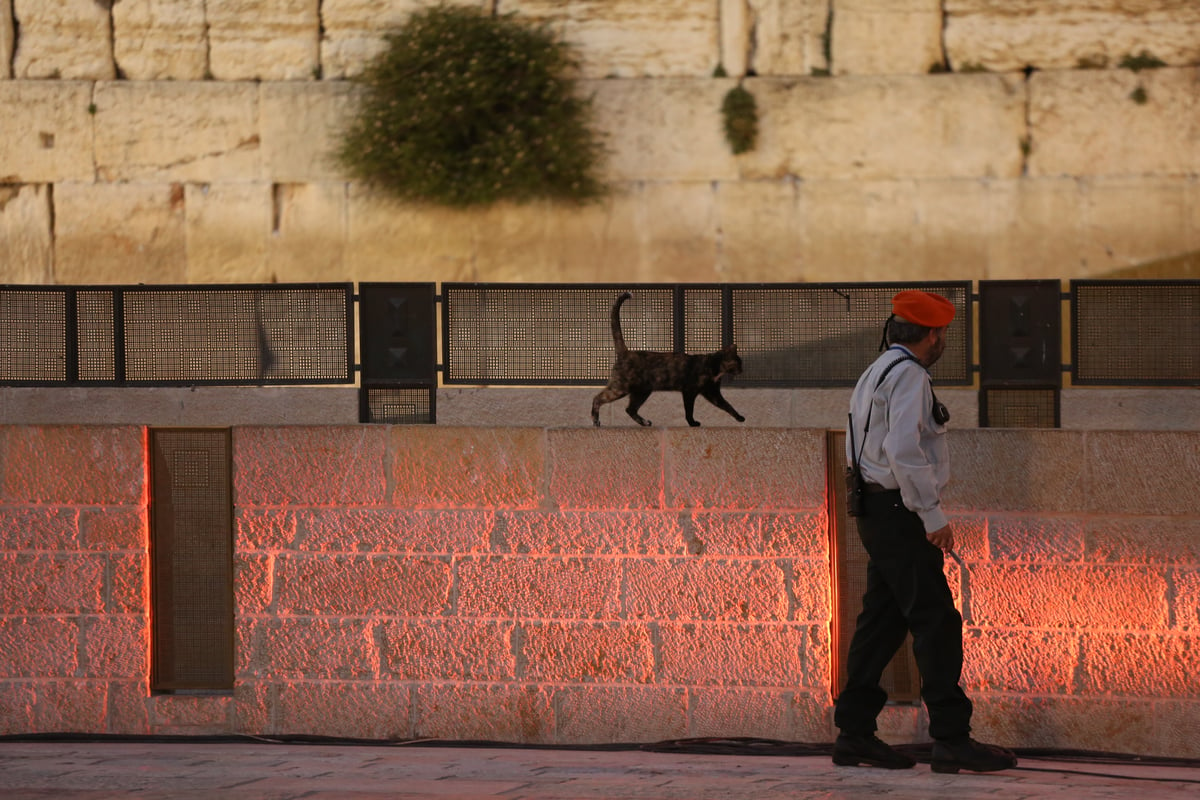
(1020, 332)
(191, 552)
(901, 679)
(398, 332)
(1135, 333)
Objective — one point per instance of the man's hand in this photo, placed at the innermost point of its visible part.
(942, 538)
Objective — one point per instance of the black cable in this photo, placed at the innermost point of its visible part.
(716, 745)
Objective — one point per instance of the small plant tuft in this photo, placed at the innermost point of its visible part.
(741, 119)
(720, 72)
(1092, 62)
(1139, 96)
(464, 108)
(1143, 60)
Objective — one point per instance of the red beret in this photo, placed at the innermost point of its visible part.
(923, 308)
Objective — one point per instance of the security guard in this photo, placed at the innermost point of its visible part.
(899, 427)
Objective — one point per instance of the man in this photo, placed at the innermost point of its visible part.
(899, 427)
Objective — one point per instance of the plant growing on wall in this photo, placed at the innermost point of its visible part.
(465, 108)
(741, 119)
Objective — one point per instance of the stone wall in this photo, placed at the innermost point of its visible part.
(572, 586)
(172, 141)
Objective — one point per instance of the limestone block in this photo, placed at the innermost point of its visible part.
(345, 709)
(69, 39)
(119, 233)
(888, 230)
(1139, 665)
(677, 234)
(592, 532)
(227, 226)
(1065, 35)
(622, 714)
(38, 646)
(731, 655)
(308, 648)
(6, 39)
(539, 588)
(1119, 480)
(309, 465)
(545, 240)
(451, 649)
(26, 239)
(160, 40)
(865, 128)
(632, 38)
(387, 240)
(107, 465)
(52, 583)
(308, 233)
(869, 37)
(117, 646)
(629, 461)
(1130, 221)
(1088, 122)
(1069, 597)
(1017, 470)
(787, 37)
(201, 131)
(761, 232)
(574, 652)
(498, 713)
(788, 465)
(720, 590)
(1038, 228)
(1029, 662)
(302, 124)
(45, 132)
(471, 467)
(664, 129)
(272, 40)
(353, 30)
(366, 586)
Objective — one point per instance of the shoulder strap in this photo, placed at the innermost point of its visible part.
(866, 428)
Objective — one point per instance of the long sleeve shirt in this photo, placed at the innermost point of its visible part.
(904, 448)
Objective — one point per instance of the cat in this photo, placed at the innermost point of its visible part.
(637, 373)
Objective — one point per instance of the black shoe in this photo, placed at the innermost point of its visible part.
(968, 754)
(850, 751)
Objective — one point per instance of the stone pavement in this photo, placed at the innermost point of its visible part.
(270, 771)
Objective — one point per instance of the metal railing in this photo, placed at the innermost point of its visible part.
(1122, 333)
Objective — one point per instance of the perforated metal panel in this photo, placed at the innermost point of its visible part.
(191, 550)
(275, 334)
(1019, 408)
(1135, 333)
(35, 335)
(398, 406)
(901, 679)
(184, 335)
(546, 334)
(787, 335)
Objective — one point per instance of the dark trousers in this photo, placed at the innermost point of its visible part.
(906, 591)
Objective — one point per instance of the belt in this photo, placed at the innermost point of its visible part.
(875, 488)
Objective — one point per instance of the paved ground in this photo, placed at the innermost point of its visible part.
(267, 771)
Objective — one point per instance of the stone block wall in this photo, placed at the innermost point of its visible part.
(171, 141)
(544, 585)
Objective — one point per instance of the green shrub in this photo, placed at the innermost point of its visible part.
(741, 119)
(465, 108)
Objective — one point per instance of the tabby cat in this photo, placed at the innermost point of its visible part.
(637, 373)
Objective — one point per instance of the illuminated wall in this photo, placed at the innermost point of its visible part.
(574, 585)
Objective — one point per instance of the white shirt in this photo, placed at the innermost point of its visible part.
(904, 448)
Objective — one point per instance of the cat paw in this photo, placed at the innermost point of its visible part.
(738, 417)
(693, 423)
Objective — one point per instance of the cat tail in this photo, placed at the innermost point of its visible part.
(618, 337)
